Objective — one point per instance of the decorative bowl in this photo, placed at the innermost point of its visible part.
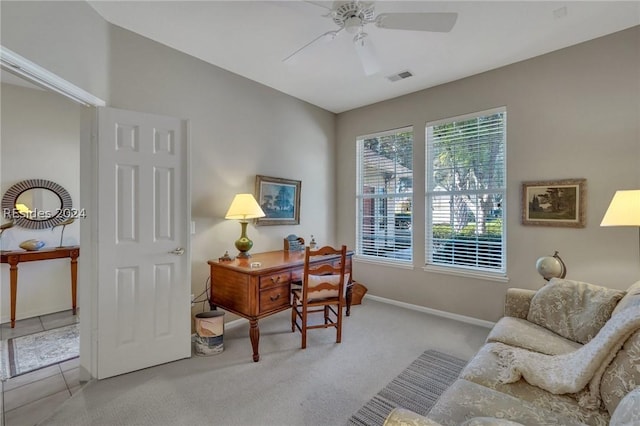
(32, 245)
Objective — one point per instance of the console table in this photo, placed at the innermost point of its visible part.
(14, 257)
(264, 289)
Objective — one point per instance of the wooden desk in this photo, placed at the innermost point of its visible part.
(258, 292)
(14, 257)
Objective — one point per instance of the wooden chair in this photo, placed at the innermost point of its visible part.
(323, 290)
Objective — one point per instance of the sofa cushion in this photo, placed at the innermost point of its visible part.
(483, 369)
(573, 309)
(489, 421)
(465, 400)
(622, 375)
(404, 417)
(631, 298)
(527, 335)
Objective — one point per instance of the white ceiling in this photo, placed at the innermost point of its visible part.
(251, 38)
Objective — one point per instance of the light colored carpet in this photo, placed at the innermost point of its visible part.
(324, 384)
(417, 388)
(23, 354)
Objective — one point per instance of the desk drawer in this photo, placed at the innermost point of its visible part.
(275, 280)
(274, 298)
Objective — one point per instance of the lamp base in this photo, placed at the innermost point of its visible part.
(244, 244)
(243, 255)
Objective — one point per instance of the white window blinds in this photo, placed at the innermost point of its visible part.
(385, 195)
(465, 192)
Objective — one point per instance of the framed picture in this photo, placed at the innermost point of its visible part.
(554, 203)
(279, 199)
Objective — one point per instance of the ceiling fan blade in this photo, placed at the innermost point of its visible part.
(436, 22)
(367, 54)
(326, 37)
(319, 4)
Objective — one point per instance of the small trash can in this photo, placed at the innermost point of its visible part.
(209, 333)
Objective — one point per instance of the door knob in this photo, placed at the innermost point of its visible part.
(178, 252)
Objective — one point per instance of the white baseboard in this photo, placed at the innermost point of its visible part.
(6, 318)
(235, 323)
(444, 314)
(462, 318)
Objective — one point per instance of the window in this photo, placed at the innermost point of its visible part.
(385, 195)
(465, 192)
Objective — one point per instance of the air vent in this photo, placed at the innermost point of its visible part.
(400, 76)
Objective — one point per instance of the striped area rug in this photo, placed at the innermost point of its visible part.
(417, 388)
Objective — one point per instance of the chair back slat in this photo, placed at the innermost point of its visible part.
(324, 270)
(334, 268)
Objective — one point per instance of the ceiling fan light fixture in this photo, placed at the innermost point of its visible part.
(353, 25)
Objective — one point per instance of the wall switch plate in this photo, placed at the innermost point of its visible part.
(193, 227)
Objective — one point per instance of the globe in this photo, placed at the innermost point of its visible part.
(551, 267)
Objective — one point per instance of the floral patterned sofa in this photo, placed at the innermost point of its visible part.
(578, 342)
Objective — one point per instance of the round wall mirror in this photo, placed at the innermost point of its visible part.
(36, 204)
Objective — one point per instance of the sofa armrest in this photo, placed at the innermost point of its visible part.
(404, 417)
(517, 302)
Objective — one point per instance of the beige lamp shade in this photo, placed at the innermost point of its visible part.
(624, 209)
(244, 206)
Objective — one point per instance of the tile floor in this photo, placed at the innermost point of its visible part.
(30, 398)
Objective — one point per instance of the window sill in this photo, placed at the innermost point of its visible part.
(490, 276)
(401, 264)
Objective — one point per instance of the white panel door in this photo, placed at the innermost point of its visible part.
(143, 236)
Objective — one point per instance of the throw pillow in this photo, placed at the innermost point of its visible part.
(573, 309)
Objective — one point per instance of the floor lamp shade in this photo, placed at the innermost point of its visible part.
(243, 207)
(624, 209)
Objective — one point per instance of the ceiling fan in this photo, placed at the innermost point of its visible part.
(352, 17)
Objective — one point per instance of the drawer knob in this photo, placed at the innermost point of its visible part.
(276, 279)
(274, 298)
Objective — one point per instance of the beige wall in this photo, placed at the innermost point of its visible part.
(239, 129)
(40, 140)
(573, 113)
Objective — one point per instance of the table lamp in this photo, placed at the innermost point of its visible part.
(243, 207)
(624, 210)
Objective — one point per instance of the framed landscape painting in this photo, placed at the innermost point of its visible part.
(279, 199)
(554, 203)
